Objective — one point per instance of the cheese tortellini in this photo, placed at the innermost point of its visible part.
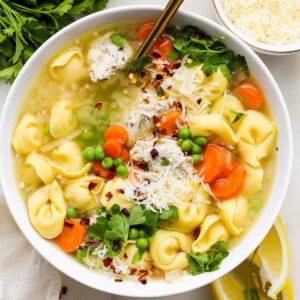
(28, 135)
(68, 66)
(212, 230)
(62, 120)
(47, 210)
(212, 124)
(168, 250)
(256, 137)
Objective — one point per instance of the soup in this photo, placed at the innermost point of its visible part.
(145, 168)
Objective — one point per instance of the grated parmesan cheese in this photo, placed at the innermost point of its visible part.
(274, 22)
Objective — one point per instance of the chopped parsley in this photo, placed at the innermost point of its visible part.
(238, 116)
(118, 40)
(208, 261)
(138, 65)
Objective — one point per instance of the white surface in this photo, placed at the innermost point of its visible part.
(286, 71)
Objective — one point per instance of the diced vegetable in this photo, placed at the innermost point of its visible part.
(72, 236)
(112, 148)
(170, 121)
(118, 133)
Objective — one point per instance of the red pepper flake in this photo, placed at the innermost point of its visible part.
(118, 280)
(92, 185)
(109, 195)
(155, 119)
(68, 223)
(85, 221)
(107, 262)
(98, 105)
(156, 54)
(153, 152)
(196, 233)
(125, 255)
(177, 105)
(146, 101)
(143, 281)
(199, 101)
(120, 191)
(109, 177)
(125, 212)
(133, 271)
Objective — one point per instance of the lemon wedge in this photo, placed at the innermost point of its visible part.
(269, 271)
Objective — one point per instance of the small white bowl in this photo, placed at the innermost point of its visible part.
(263, 48)
(100, 280)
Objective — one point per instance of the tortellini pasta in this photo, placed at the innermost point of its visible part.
(62, 119)
(47, 210)
(234, 213)
(212, 230)
(68, 66)
(253, 181)
(168, 250)
(28, 135)
(228, 106)
(112, 193)
(256, 137)
(212, 124)
(79, 194)
(191, 213)
(42, 168)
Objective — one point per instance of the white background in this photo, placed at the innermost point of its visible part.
(286, 70)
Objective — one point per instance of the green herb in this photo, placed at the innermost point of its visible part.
(256, 205)
(25, 25)
(118, 40)
(250, 293)
(138, 65)
(208, 261)
(164, 162)
(160, 91)
(203, 49)
(238, 116)
(169, 214)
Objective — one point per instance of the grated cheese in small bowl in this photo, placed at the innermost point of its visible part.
(268, 26)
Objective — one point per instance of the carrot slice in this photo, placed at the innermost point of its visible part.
(112, 148)
(71, 237)
(217, 162)
(145, 30)
(125, 155)
(162, 48)
(229, 186)
(117, 132)
(99, 170)
(250, 95)
(170, 121)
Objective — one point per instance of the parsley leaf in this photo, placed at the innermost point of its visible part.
(98, 229)
(171, 213)
(238, 116)
(138, 65)
(118, 40)
(118, 228)
(208, 261)
(136, 216)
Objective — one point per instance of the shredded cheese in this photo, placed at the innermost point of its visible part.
(274, 22)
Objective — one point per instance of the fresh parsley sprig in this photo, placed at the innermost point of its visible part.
(26, 24)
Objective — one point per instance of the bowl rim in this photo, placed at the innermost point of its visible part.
(260, 47)
(81, 273)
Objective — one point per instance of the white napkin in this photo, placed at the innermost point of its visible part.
(24, 274)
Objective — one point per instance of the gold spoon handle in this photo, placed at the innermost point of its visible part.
(159, 27)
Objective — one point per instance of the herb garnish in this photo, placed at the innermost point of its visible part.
(203, 49)
(118, 40)
(138, 65)
(26, 24)
(208, 261)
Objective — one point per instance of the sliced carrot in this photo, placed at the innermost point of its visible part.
(100, 170)
(145, 30)
(71, 237)
(117, 132)
(125, 155)
(162, 48)
(217, 162)
(112, 148)
(170, 121)
(249, 94)
(231, 185)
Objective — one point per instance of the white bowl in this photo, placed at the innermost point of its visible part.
(66, 263)
(264, 48)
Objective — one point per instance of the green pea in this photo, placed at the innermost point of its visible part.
(196, 149)
(99, 153)
(133, 233)
(184, 133)
(179, 142)
(89, 154)
(118, 161)
(142, 243)
(71, 212)
(107, 162)
(142, 233)
(187, 145)
(87, 134)
(122, 171)
(196, 158)
(200, 140)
